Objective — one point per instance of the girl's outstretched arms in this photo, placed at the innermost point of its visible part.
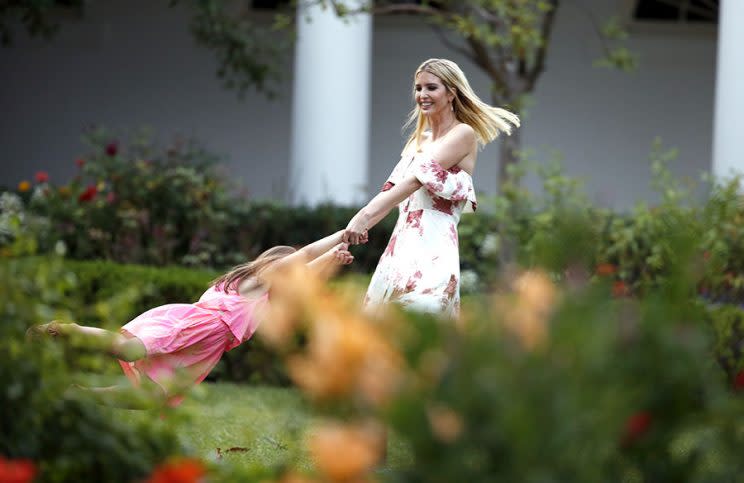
(327, 264)
(310, 253)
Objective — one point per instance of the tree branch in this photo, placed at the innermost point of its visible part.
(481, 58)
(451, 45)
(545, 31)
(393, 9)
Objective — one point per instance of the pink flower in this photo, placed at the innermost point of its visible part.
(110, 197)
(16, 471)
(41, 176)
(619, 289)
(112, 148)
(178, 471)
(739, 381)
(90, 192)
(636, 426)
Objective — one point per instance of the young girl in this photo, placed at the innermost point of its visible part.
(170, 348)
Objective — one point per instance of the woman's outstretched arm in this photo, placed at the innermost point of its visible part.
(377, 209)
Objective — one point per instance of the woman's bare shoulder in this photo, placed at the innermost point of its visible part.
(463, 132)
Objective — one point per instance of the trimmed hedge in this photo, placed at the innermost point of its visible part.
(138, 288)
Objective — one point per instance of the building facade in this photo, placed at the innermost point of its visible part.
(334, 133)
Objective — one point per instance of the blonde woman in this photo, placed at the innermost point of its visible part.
(431, 185)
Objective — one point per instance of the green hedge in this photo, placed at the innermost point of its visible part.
(135, 289)
(62, 439)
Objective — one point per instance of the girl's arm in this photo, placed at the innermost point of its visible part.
(309, 253)
(326, 264)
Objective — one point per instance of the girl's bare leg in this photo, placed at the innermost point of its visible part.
(119, 346)
(148, 396)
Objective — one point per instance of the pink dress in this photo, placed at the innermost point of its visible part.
(420, 268)
(187, 340)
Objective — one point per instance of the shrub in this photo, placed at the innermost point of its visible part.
(543, 381)
(61, 438)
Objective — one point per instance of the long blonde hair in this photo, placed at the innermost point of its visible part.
(487, 121)
(232, 279)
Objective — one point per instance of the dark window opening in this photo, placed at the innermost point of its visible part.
(694, 11)
(269, 4)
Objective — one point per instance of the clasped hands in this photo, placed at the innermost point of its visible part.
(356, 231)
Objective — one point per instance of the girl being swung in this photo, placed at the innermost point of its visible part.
(170, 348)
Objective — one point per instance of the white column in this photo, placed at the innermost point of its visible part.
(331, 107)
(728, 123)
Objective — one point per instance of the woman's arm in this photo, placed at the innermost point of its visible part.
(453, 148)
(377, 209)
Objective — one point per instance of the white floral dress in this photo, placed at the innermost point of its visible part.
(420, 268)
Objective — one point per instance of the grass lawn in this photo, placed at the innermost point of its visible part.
(253, 425)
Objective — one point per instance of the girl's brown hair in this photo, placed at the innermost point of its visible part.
(231, 280)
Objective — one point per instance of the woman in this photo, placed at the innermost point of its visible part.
(432, 185)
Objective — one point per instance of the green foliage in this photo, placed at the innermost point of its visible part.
(66, 439)
(34, 15)
(246, 58)
(557, 379)
(136, 202)
(619, 392)
(108, 294)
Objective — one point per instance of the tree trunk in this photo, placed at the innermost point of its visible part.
(508, 154)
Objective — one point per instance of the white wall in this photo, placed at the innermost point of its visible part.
(133, 62)
(127, 64)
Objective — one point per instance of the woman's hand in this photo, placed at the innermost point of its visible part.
(356, 230)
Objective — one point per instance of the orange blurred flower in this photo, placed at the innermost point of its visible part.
(526, 313)
(179, 470)
(445, 423)
(344, 354)
(24, 186)
(64, 191)
(345, 452)
(605, 269)
(297, 478)
(16, 471)
(620, 289)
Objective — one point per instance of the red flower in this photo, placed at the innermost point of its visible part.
(90, 192)
(41, 176)
(619, 289)
(739, 381)
(178, 471)
(16, 471)
(605, 269)
(635, 427)
(80, 162)
(112, 148)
